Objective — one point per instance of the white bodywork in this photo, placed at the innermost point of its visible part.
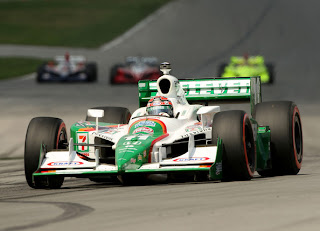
(65, 67)
(189, 121)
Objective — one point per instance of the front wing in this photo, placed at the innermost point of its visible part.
(68, 163)
(56, 77)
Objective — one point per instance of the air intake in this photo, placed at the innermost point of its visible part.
(164, 85)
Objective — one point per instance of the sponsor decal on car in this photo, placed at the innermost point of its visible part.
(216, 87)
(64, 163)
(101, 135)
(143, 129)
(159, 126)
(87, 127)
(191, 159)
(201, 130)
(80, 124)
(133, 160)
(132, 143)
(137, 137)
(193, 128)
(145, 123)
(82, 138)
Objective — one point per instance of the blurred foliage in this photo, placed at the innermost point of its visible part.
(16, 66)
(73, 23)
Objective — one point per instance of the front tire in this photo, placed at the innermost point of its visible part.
(51, 132)
(239, 151)
(91, 71)
(270, 68)
(286, 142)
(221, 69)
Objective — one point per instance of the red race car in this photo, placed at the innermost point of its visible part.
(135, 69)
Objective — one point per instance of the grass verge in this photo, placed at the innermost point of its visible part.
(16, 66)
(72, 23)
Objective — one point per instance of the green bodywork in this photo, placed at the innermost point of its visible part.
(132, 150)
(240, 67)
(263, 148)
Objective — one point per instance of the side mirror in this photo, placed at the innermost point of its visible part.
(96, 113)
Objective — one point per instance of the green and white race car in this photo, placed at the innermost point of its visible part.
(244, 66)
(192, 141)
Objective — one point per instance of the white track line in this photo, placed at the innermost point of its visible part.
(136, 28)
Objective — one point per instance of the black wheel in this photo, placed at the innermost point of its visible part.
(51, 132)
(221, 68)
(113, 72)
(286, 143)
(270, 68)
(239, 151)
(117, 115)
(91, 70)
(41, 71)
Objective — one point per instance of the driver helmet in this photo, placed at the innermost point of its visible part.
(160, 105)
(67, 56)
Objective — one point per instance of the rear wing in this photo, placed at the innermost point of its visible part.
(210, 90)
(72, 58)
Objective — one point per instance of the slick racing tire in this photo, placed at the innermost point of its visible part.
(270, 68)
(239, 151)
(52, 133)
(113, 72)
(91, 71)
(41, 71)
(117, 115)
(221, 68)
(286, 144)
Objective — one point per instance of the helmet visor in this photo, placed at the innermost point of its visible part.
(156, 110)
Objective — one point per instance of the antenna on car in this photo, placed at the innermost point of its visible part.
(165, 67)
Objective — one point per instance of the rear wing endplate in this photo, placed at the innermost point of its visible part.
(210, 90)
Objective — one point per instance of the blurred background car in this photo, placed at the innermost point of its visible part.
(246, 66)
(134, 69)
(67, 68)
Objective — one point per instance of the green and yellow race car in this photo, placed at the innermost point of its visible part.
(246, 66)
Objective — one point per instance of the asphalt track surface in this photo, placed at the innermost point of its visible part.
(195, 36)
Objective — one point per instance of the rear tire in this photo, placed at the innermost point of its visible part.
(239, 151)
(117, 115)
(221, 68)
(91, 71)
(41, 70)
(113, 72)
(286, 143)
(51, 132)
(270, 69)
